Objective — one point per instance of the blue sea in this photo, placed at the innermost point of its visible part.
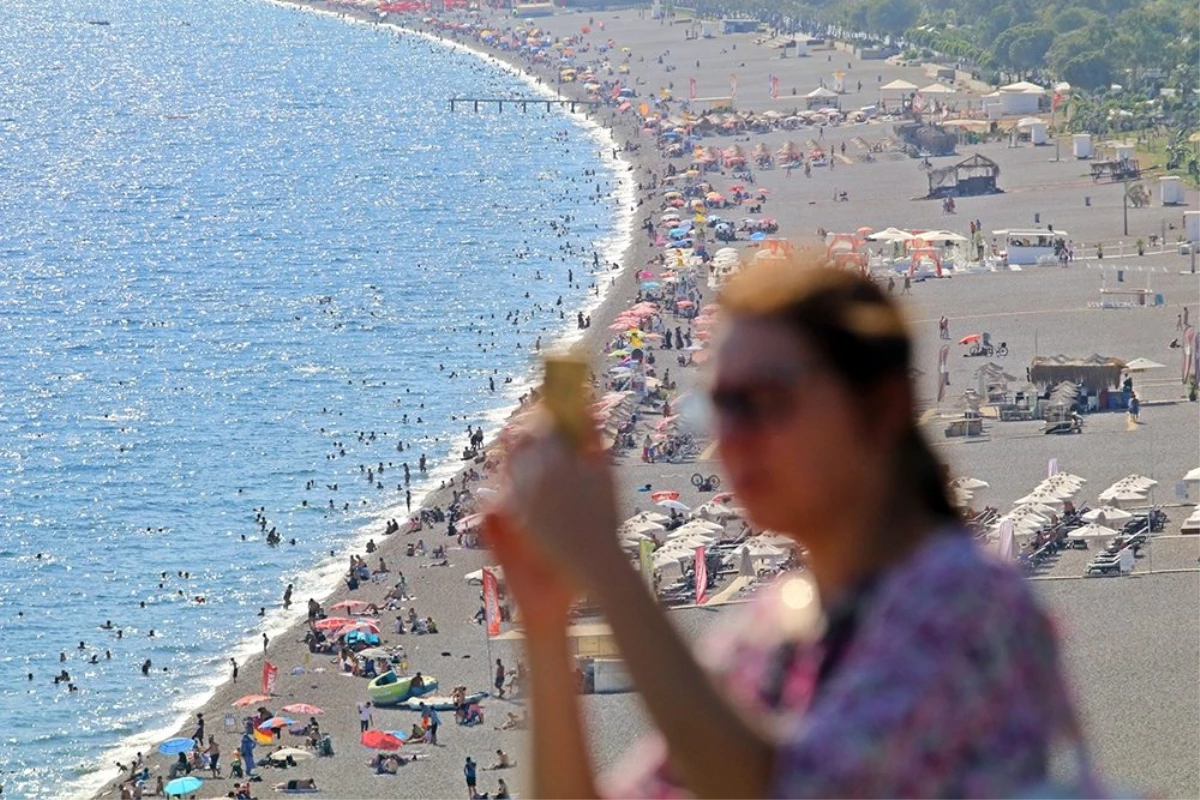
(238, 244)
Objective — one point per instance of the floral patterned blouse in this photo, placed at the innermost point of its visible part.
(940, 678)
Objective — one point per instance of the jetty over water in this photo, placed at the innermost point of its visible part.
(523, 102)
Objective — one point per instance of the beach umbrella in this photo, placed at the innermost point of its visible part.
(1107, 514)
(969, 483)
(360, 625)
(1041, 508)
(304, 709)
(276, 722)
(381, 740)
(349, 606)
(1192, 475)
(1093, 531)
(172, 747)
(250, 699)
(970, 338)
(1044, 498)
(330, 623)
(372, 652)
(1006, 543)
(186, 785)
(294, 753)
(470, 522)
(675, 504)
(757, 237)
(658, 497)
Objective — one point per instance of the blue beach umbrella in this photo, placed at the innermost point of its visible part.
(757, 237)
(676, 233)
(651, 284)
(173, 747)
(187, 785)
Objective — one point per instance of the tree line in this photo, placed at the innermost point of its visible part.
(1138, 44)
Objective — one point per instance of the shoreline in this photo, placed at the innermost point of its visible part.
(329, 571)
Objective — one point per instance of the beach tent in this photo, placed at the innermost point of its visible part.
(936, 88)
(896, 92)
(821, 97)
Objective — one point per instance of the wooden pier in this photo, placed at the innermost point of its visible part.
(523, 102)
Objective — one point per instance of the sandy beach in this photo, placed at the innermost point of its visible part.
(1131, 643)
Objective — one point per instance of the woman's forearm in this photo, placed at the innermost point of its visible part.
(561, 765)
(713, 748)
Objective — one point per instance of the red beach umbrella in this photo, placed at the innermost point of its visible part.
(349, 606)
(250, 699)
(660, 496)
(329, 623)
(970, 338)
(381, 740)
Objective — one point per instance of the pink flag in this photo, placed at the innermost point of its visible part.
(491, 602)
(691, 88)
(701, 577)
(270, 673)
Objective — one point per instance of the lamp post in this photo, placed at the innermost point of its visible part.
(1125, 204)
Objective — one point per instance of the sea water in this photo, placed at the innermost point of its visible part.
(238, 243)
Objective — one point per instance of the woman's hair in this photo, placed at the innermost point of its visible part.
(858, 333)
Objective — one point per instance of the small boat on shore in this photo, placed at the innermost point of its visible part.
(440, 702)
(390, 689)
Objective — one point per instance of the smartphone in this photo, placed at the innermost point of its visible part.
(566, 397)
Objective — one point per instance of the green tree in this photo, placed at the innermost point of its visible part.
(1028, 47)
(892, 17)
(1088, 71)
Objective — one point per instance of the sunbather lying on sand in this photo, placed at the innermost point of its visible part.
(297, 785)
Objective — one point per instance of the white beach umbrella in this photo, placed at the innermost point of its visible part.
(1093, 531)
(1022, 524)
(969, 483)
(1006, 541)
(1124, 491)
(675, 504)
(1044, 498)
(1027, 512)
(1105, 514)
(1041, 508)
(762, 552)
(776, 540)
(1192, 475)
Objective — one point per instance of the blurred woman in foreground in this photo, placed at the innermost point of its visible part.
(932, 671)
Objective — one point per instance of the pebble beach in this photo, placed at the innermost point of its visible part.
(1131, 642)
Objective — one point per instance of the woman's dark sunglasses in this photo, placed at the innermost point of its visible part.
(756, 403)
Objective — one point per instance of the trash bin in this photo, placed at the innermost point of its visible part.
(1120, 276)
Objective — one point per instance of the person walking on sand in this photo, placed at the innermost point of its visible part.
(214, 756)
(430, 718)
(233, 664)
(499, 682)
(246, 749)
(364, 716)
(287, 597)
(469, 774)
(907, 285)
(198, 735)
(266, 641)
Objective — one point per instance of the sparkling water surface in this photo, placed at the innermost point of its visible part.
(233, 236)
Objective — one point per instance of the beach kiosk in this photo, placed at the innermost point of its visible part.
(1170, 189)
(1081, 145)
(1034, 246)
